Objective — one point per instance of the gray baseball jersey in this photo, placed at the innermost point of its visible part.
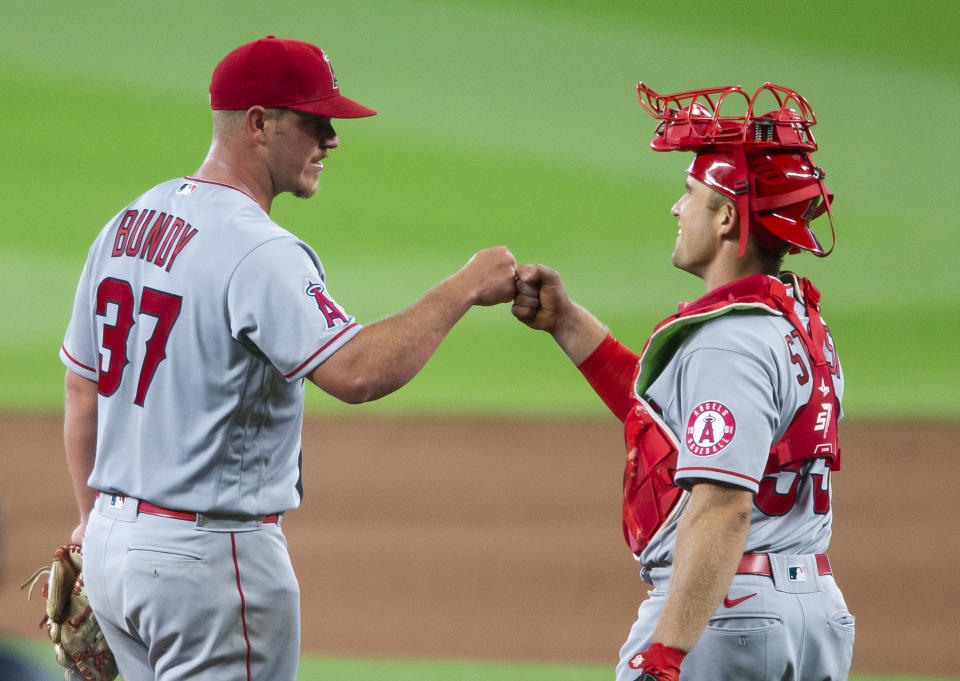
(729, 393)
(199, 318)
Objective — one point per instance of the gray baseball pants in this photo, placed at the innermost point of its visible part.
(206, 600)
(789, 629)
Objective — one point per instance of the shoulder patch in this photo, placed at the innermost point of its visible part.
(710, 429)
(330, 311)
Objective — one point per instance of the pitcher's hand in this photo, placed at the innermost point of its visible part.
(491, 276)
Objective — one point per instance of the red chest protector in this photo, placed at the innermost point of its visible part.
(650, 496)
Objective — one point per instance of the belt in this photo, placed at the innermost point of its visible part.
(151, 509)
(759, 564)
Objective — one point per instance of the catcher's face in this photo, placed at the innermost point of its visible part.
(699, 235)
(298, 144)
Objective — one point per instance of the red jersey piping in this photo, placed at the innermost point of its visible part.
(76, 361)
(718, 470)
(325, 346)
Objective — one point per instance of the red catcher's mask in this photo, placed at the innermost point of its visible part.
(762, 162)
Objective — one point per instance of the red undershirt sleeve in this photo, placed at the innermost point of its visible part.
(611, 371)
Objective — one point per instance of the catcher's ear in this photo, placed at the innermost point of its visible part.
(727, 219)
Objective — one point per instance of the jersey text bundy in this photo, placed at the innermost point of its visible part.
(159, 243)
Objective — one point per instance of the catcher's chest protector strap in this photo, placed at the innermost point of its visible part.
(812, 434)
(649, 494)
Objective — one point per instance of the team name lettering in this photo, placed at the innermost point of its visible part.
(711, 406)
(156, 238)
(710, 429)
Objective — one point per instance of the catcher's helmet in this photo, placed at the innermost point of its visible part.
(761, 162)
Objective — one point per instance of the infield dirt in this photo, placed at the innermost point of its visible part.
(500, 539)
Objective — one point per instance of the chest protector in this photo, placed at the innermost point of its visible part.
(650, 496)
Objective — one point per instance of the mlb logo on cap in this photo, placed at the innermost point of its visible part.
(796, 573)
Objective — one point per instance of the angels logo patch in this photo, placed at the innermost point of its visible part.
(331, 313)
(711, 428)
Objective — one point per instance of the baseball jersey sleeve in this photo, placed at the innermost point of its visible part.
(278, 302)
(728, 417)
(79, 351)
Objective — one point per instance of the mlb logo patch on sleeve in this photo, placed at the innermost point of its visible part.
(710, 429)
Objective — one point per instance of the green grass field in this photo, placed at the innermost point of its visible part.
(500, 123)
(317, 668)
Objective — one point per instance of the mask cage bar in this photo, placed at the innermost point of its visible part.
(699, 110)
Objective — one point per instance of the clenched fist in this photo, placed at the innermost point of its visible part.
(490, 275)
(542, 303)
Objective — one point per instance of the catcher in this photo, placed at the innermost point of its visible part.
(730, 413)
(77, 639)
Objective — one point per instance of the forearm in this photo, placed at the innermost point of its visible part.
(578, 332)
(388, 353)
(542, 303)
(710, 541)
(80, 438)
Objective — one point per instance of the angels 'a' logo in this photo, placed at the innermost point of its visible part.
(336, 85)
(711, 428)
(326, 306)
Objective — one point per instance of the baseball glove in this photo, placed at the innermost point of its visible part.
(77, 639)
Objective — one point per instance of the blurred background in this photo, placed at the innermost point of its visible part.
(503, 122)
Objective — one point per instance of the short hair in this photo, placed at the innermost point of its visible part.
(227, 123)
(716, 199)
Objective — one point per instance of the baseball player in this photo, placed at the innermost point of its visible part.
(196, 322)
(730, 412)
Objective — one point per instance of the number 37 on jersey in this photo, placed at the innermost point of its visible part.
(121, 308)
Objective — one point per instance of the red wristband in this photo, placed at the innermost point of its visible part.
(611, 371)
(660, 661)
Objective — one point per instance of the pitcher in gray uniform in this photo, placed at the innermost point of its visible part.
(196, 322)
(730, 412)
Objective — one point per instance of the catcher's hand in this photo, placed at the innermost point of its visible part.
(658, 663)
(77, 640)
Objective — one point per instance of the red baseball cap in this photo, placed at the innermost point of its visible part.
(276, 73)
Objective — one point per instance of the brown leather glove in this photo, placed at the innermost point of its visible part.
(78, 642)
